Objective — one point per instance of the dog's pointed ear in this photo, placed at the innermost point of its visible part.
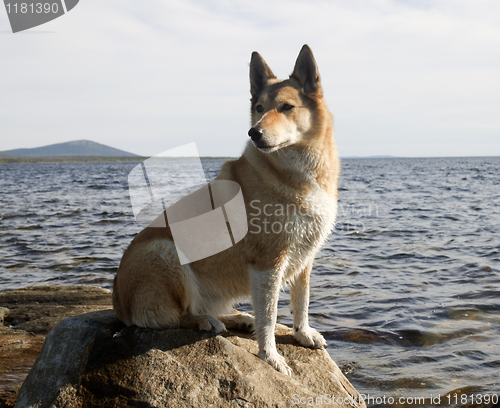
(260, 73)
(306, 71)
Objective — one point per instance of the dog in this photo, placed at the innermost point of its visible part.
(288, 174)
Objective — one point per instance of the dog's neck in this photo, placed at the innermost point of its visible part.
(297, 166)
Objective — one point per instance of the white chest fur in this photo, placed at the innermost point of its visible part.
(312, 225)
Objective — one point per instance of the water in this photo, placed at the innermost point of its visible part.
(406, 290)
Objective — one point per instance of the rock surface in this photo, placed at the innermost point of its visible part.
(92, 360)
(26, 316)
(143, 368)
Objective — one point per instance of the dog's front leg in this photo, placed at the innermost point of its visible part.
(307, 336)
(265, 293)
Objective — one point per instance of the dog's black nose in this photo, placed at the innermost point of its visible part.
(255, 134)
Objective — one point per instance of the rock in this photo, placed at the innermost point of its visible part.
(92, 360)
(3, 313)
(18, 351)
(38, 309)
(26, 316)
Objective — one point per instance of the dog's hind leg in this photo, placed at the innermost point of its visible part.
(156, 312)
(202, 322)
(238, 321)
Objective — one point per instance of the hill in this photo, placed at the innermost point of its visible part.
(73, 148)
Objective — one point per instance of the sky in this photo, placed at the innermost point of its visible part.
(401, 77)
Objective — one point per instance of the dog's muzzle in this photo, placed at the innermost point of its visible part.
(255, 134)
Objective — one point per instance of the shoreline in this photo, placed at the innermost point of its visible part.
(26, 317)
(97, 159)
(69, 159)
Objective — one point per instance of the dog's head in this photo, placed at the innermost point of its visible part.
(283, 111)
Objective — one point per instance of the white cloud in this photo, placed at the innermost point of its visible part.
(401, 77)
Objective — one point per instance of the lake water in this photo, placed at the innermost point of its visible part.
(406, 290)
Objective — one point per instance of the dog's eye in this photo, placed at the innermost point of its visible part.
(259, 108)
(287, 106)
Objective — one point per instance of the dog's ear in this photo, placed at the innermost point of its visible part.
(260, 73)
(306, 71)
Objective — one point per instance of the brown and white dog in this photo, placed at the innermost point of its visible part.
(288, 175)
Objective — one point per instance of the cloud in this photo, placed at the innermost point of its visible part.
(401, 77)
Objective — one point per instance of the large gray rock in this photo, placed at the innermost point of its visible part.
(92, 360)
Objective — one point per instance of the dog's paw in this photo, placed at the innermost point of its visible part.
(310, 337)
(246, 322)
(277, 362)
(211, 324)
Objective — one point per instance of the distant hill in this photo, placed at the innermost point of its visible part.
(74, 148)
